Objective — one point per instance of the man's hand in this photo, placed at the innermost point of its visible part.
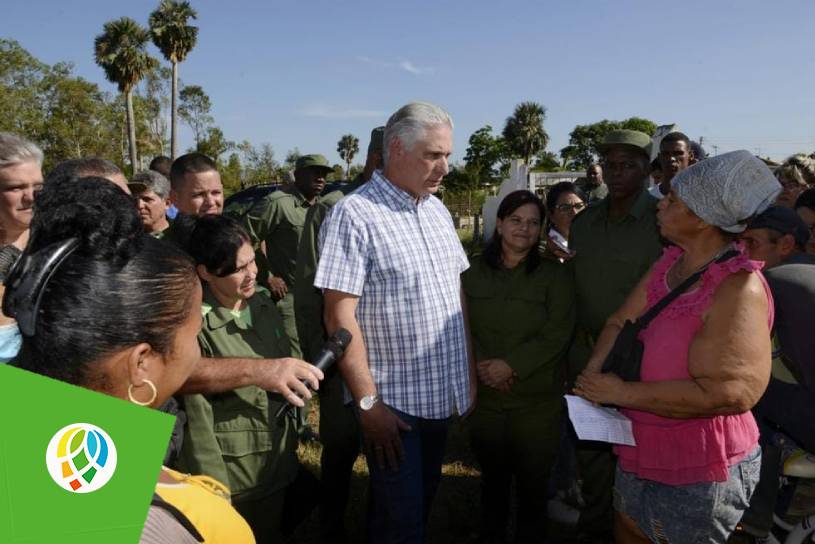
(284, 376)
(496, 373)
(380, 428)
(278, 287)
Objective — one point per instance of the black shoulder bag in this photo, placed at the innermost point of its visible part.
(625, 358)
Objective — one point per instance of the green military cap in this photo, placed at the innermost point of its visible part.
(377, 140)
(315, 160)
(631, 138)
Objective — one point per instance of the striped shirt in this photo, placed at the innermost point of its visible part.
(404, 260)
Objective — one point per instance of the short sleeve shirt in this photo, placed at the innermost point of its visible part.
(403, 259)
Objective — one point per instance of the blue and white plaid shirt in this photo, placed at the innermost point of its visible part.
(404, 261)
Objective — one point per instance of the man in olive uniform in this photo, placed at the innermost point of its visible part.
(595, 188)
(275, 225)
(615, 240)
(339, 431)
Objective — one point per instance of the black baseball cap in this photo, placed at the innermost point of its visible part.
(782, 220)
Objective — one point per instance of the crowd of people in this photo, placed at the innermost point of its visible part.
(677, 289)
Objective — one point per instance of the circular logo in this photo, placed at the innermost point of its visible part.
(81, 458)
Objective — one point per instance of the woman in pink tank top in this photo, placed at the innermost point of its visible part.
(706, 362)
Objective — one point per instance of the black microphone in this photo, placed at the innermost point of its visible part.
(332, 352)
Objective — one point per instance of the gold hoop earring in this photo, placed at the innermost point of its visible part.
(149, 402)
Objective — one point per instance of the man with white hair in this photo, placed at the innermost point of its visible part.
(152, 192)
(390, 263)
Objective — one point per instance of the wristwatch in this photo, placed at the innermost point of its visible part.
(367, 402)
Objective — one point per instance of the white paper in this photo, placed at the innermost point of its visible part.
(599, 423)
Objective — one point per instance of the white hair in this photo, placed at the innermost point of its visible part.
(152, 181)
(410, 122)
(16, 150)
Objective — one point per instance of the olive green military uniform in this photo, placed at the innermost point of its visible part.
(612, 255)
(526, 319)
(339, 429)
(233, 436)
(278, 221)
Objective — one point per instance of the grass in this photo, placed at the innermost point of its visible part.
(456, 510)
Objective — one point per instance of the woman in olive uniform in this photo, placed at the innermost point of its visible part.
(234, 436)
(521, 320)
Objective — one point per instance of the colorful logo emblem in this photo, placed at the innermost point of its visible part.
(81, 458)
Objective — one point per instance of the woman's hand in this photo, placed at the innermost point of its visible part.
(599, 387)
(496, 373)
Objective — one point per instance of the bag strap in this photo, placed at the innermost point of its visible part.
(646, 318)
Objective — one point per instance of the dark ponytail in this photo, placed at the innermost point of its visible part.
(116, 288)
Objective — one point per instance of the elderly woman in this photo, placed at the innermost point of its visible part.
(795, 174)
(143, 351)
(563, 202)
(705, 363)
(521, 317)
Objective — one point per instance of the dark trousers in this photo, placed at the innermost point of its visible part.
(596, 465)
(783, 407)
(519, 443)
(400, 500)
(340, 436)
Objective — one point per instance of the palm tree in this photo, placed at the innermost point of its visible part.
(524, 132)
(120, 51)
(348, 147)
(175, 39)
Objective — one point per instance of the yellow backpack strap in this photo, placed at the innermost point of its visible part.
(178, 515)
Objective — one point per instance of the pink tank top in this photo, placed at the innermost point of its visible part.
(685, 451)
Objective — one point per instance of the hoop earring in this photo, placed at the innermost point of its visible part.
(149, 402)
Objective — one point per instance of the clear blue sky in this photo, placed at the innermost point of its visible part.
(741, 74)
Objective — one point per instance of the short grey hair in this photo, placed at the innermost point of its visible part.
(410, 122)
(17, 150)
(152, 181)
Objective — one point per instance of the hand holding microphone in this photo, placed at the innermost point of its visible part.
(332, 351)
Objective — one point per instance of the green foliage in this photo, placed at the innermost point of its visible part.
(291, 158)
(347, 148)
(523, 131)
(66, 115)
(259, 164)
(487, 157)
(194, 110)
(584, 139)
(231, 174)
(214, 144)
(170, 31)
(337, 173)
(547, 162)
(460, 179)
(121, 52)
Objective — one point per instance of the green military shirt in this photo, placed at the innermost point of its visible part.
(308, 300)
(233, 436)
(611, 257)
(278, 221)
(526, 320)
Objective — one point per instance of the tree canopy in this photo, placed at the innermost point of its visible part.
(584, 139)
(524, 133)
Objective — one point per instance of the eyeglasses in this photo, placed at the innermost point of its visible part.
(577, 206)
